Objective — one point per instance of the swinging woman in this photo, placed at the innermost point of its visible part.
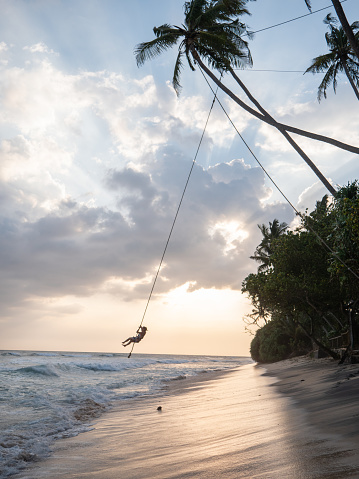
(142, 330)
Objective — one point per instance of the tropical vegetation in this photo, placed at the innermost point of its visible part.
(340, 59)
(354, 43)
(264, 250)
(308, 291)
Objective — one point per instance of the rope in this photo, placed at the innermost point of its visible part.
(176, 215)
(291, 20)
(298, 213)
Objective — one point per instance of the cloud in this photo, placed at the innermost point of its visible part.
(93, 167)
(39, 48)
(310, 196)
(77, 250)
(3, 47)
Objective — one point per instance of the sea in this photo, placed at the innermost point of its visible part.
(46, 396)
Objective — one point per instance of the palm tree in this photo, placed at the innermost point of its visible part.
(212, 32)
(345, 25)
(340, 59)
(264, 250)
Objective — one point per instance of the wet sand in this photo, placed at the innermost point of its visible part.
(232, 425)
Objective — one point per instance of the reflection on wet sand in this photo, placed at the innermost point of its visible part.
(235, 426)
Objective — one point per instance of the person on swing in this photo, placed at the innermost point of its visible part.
(142, 330)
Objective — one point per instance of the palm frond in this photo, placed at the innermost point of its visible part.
(222, 50)
(148, 50)
(233, 31)
(235, 7)
(177, 73)
(204, 14)
(236, 27)
(190, 63)
(328, 77)
(336, 69)
(165, 29)
(321, 63)
(353, 69)
(330, 20)
(213, 57)
(228, 8)
(340, 59)
(193, 10)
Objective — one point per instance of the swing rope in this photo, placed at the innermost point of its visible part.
(298, 213)
(177, 212)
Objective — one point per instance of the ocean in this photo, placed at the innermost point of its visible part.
(47, 396)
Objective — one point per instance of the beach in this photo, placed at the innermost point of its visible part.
(294, 419)
(328, 392)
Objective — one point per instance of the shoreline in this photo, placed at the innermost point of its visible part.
(252, 421)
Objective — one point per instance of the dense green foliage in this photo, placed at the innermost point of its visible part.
(277, 340)
(264, 250)
(311, 276)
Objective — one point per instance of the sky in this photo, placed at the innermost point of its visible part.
(95, 153)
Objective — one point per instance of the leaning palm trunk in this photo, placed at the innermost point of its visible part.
(212, 32)
(285, 134)
(264, 117)
(346, 27)
(288, 128)
(351, 81)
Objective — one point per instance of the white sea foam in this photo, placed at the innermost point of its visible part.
(60, 394)
(101, 367)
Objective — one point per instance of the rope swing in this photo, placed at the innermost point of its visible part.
(142, 329)
(137, 339)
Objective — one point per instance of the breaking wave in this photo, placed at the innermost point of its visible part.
(42, 369)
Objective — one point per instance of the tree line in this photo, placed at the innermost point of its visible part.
(306, 289)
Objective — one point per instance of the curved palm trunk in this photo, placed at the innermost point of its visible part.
(260, 116)
(286, 136)
(351, 81)
(346, 27)
(268, 119)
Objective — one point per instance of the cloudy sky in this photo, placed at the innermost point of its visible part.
(95, 153)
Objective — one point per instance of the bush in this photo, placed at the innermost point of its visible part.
(272, 343)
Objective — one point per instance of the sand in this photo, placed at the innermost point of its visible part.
(329, 393)
(233, 425)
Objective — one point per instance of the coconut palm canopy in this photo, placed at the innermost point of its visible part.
(340, 59)
(344, 22)
(212, 32)
(264, 250)
(211, 29)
